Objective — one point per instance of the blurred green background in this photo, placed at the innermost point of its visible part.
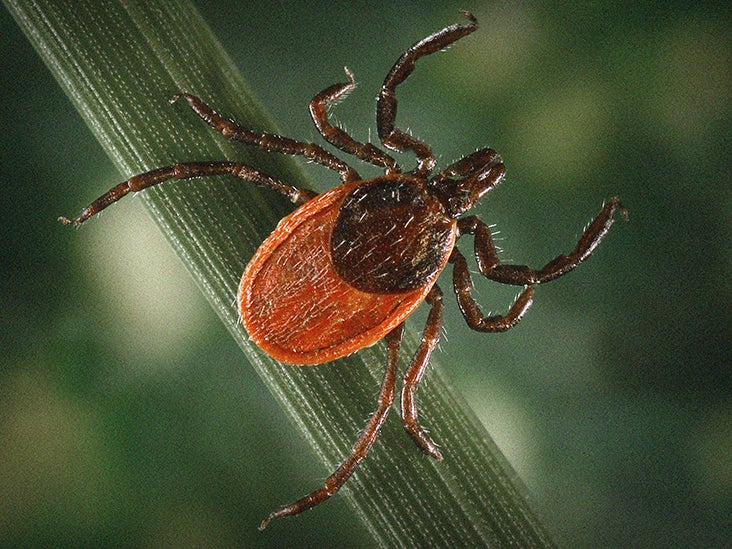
(128, 416)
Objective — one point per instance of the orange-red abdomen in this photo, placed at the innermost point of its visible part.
(298, 309)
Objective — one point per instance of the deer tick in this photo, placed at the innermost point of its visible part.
(348, 266)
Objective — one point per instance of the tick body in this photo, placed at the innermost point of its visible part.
(348, 266)
(345, 269)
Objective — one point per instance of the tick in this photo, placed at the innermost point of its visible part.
(348, 266)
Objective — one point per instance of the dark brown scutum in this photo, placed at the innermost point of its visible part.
(391, 236)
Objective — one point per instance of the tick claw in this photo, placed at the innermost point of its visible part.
(285, 511)
(425, 443)
(623, 211)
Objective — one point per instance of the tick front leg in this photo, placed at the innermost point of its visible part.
(521, 275)
(364, 443)
(430, 338)
(187, 171)
(463, 285)
(386, 103)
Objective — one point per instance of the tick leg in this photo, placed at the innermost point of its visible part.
(268, 141)
(430, 338)
(187, 171)
(463, 285)
(338, 137)
(521, 275)
(386, 103)
(364, 443)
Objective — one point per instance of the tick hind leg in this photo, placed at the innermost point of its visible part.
(364, 443)
(491, 268)
(430, 338)
(338, 137)
(386, 104)
(187, 171)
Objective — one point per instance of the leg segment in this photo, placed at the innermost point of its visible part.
(268, 141)
(339, 138)
(364, 443)
(430, 338)
(463, 285)
(386, 103)
(521, 275)
(187, 171)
